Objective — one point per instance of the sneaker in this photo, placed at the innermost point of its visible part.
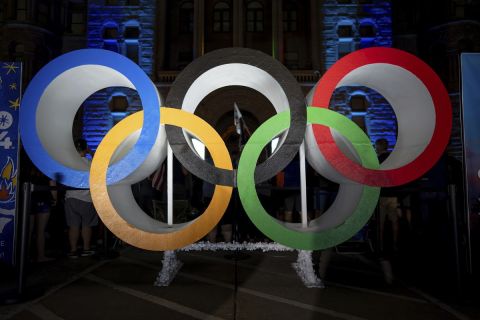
(87, 253)
(72, 255)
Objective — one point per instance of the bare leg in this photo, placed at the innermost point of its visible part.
(324, 262)
(227, 232)
(73, 235)
(41, 220)
(86, 237)
(30, 233)
(387, 271)
(395, 229)
(288, 216)
(212, 235)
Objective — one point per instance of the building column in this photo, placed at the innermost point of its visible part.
(277, 30)
(238, 23)
(315, 18)
(161, 34)
(198, 28)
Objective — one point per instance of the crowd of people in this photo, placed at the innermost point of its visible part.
(75, 215)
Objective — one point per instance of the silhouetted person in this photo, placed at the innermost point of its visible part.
(79, 211)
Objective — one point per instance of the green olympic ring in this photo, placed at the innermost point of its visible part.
(306, 238)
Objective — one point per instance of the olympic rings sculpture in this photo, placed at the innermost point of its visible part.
(335, 146)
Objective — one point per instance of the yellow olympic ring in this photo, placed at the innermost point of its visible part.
(173, 239)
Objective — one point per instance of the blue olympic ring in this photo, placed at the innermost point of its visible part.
(81, 58)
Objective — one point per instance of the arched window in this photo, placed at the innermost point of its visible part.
(346, 34)
(110, 37)
(359, 104)
(290, 16)
(131, 32)
(221, 17)
(186, 17)
(345, 30)
(118, 105)
(255, 17)
(110, 31)
(367, 30)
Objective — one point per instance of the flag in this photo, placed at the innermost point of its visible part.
(158, 177)
(10, 84)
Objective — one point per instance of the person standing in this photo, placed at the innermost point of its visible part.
(80, 214)
(388, 210)
(41, 204)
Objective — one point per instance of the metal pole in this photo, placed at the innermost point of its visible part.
(169, 185)
(453, 210)
(303, 186)
(27, 189)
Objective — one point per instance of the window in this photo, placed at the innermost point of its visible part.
(291, 60)
(21, 9)
(43, 12)
(186, 17)
(185, 56)
(118, 106)
(110, 36)
(118, 103)
(131, 32)
(359, 105)
(367, 30)
(345, 31)
(131, 50)
(290, 17)
(254, 17)
(110, 31)
(221, 17)
(76, 18)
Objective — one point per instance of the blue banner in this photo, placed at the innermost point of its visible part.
(470, 63)
(10, 93)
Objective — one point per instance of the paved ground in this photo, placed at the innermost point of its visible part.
(210, 286)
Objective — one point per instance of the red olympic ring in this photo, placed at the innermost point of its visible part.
(443, 117)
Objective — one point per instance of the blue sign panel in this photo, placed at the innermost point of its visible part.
(10, 92)
(471, 116)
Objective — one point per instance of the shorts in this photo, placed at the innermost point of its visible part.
(293, 202)
(40, 206)
(80, 213)
(388, 207)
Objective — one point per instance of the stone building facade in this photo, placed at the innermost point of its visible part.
(307, 36)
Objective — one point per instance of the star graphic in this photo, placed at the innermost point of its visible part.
(13, 86)
(10, 67)
(4, 120)
(14, 104)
